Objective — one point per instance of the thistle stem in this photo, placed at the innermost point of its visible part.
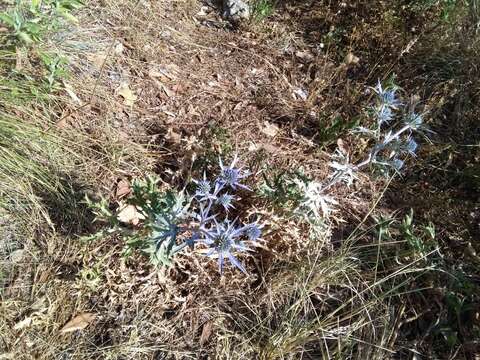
(336, 178)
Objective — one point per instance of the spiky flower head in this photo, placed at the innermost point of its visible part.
(414, 120)
(411, 146)
(314, 201)
(203, 189)
(397, 164)
(387, 96)
(344, 170)
(384, 114)
(252, 231)
(230, 175)
(225, 200)
(222, 240)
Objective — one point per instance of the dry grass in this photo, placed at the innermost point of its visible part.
(202, 89)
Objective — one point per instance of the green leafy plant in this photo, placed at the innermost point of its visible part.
(172, 220)
(263, 9)
(25, 27)
(447, 7)
(64, 8)
(29, 21)
(405, 240)
(281, 188)
(55, 66)
(160, 213)
(330, 131)
(422, 240)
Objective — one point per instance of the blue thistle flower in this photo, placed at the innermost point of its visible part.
(222, 240)
(414, 120)
(252, 231)
(230, 175)
(397, 164)
(384, 115)
(225, 200)
(411, 146)
(203, 189)
(387, 96)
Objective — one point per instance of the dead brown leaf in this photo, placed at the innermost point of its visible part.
(206, 333)
(123, 189)
(351, 59)
(79, 322)
(162, 86)
(119, 48)
(71, 93)
(20, 58)
(128, 95)
(161, 73)
(129, 214)
(173, 136)
(270, 129)
(342, 146)
(305, 55)
(62, 123)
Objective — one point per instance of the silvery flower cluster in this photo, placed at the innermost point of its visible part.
(205, 218)
(392, 137)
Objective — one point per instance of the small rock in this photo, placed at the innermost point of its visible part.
(301, 93)
(236, 9)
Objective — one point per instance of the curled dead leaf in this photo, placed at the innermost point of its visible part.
(173, 136)
(304, 55)
(71, 93)
(21, 57)
(62, 123)
(160, 73)
(119, 48)
(79, 322)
